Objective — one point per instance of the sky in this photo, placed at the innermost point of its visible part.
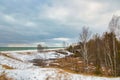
(52, 22)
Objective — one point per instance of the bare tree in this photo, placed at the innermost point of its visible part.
(98, 47)
(84, 37)
(113, 26)
(109, 64)
(40, 48)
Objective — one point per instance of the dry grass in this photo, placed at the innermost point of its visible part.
(72, 65)
(61, 75)
(3, 76)
(7, 55)
(61, 52)
(7, 67)
(69, 64)
(25, 53)
(75, 65)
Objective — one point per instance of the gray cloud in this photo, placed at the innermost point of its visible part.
(33, 21)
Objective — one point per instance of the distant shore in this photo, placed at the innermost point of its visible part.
(35, 50)
(24, 48)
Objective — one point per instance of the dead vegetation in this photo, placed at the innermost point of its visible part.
(61, 75)
(72, 64)
(9, 56)
(61, 52)
(3, 76)
(39, 62)
(7, 67)
(25, 53)
(75, 65)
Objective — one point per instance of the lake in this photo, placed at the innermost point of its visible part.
(23, 48)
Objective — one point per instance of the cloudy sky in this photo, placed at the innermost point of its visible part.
(29, 22)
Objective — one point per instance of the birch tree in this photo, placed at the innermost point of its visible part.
(113, 26)
(84, 37)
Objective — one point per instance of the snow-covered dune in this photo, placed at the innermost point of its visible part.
(25, 56)
(20, 60)
(24, 70)
(14, 63)
(49, 74)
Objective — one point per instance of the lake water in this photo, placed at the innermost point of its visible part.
(22, 48)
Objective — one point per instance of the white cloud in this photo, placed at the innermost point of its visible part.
(29, 23)
(117, 13)
(79, 12)
(53, 44)
(56, 13)
(19, 45)
(44, 19)
(14, 20)
(57, 45)
(42, 43)
(9, 18)
(61, 39)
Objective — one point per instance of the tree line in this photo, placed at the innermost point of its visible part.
(101, 50)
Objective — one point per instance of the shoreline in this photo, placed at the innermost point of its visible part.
(31, 50)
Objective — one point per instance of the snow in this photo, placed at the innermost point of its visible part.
(21, 60)
(14, 63)
(35, 55)
(49, 74)
(24, 70)
(49, 55)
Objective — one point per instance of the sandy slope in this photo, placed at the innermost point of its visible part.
(24, 70)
